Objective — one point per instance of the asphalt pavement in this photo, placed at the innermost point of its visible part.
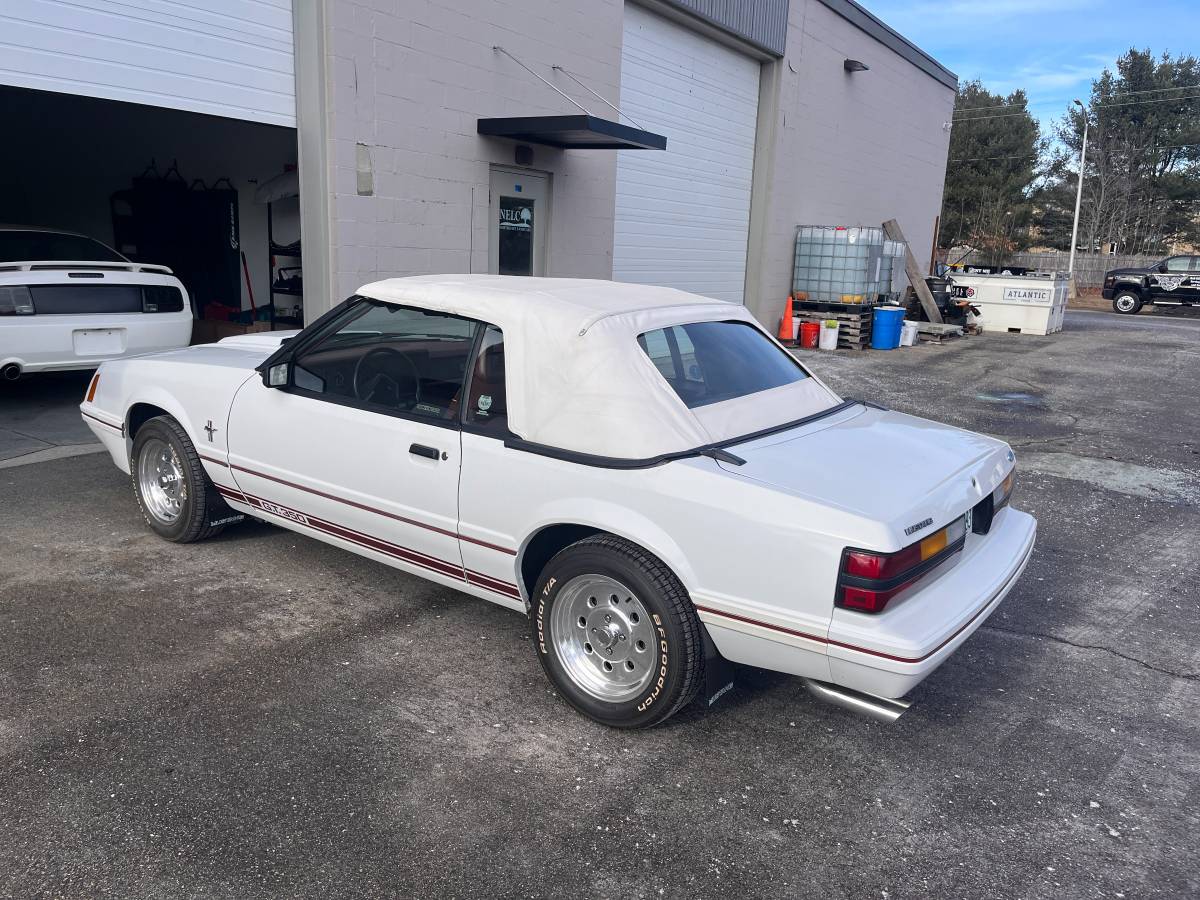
(39, 418)
(262, 715)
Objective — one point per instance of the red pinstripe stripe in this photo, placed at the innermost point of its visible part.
(215, 462)
(372, 509)
(357, 537)
(494, 584)
(857, 649)
(373, 543)
(120, 428)
(749, 621)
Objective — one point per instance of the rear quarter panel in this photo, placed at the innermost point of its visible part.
(738, 547)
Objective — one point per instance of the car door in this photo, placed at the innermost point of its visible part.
(1171, 283)
(358, 439)
(1191, 287)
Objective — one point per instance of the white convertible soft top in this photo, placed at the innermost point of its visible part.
(576, 377)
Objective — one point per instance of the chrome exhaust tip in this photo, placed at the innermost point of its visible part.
(11, 372)
(880, 709)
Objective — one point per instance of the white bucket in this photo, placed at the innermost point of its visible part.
(908, 334)
(829, 335)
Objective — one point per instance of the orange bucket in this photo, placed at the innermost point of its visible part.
(810, 332)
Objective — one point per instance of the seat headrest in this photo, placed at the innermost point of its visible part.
(493, 364)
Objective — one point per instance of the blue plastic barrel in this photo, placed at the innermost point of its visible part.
(885, 327)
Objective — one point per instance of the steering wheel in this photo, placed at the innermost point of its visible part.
(371, 378)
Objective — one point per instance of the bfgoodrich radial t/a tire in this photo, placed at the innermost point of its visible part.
(173, 492)
(617, 634)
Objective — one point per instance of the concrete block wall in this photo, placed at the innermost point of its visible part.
(846, 148)
(409, 78)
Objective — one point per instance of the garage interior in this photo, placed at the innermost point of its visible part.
(164, 186)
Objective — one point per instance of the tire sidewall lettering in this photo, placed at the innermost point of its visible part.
(664, 659)
(541, 613)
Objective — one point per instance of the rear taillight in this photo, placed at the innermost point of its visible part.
(868, 580)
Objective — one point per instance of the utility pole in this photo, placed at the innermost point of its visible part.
(1078, 190)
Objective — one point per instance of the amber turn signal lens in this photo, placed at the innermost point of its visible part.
(933, 545)
(91, 391)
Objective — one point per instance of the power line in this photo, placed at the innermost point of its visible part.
(1140, 102)
(990, 158)
(999, 116)
(1182, 87)
(1094, 106)
(1110, 153)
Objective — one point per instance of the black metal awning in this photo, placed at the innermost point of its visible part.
(582, 132)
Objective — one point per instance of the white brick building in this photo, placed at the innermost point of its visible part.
(382, 103)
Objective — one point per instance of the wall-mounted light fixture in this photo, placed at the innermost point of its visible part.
(855, 65)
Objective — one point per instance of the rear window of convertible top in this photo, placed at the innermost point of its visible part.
(709, 362)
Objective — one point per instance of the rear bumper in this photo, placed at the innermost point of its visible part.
(1107, 293)
(890, 654)
(56, 343)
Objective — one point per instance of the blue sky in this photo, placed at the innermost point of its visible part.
(1051, 48)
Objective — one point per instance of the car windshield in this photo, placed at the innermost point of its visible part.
(709, 362)
(53, 246)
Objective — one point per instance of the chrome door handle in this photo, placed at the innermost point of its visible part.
(423, 450)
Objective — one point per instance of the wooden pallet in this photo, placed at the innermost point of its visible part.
(937, 333)
(842, 344)
(854, 328)
(825, 306)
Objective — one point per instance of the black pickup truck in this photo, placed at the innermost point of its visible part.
(1173, 282)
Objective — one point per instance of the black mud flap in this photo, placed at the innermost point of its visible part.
(718, 673)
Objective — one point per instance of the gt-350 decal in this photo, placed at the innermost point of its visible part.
(283, 511)
(405, 554)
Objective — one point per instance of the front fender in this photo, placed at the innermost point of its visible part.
(157, 396)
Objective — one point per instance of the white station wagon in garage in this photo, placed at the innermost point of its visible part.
(646, 473)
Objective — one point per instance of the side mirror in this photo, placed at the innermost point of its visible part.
(277, 375)
(1162, 267)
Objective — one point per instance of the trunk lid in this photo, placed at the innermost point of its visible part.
(888, 467)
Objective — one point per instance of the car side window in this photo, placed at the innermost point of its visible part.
(1178, 263)
(392, 359)
(487, 398)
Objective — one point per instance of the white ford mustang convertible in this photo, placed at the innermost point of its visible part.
(646, 473)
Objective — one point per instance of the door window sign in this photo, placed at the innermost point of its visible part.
(516, 236)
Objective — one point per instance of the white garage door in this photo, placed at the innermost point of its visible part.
(683, 215)
(228, 58)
